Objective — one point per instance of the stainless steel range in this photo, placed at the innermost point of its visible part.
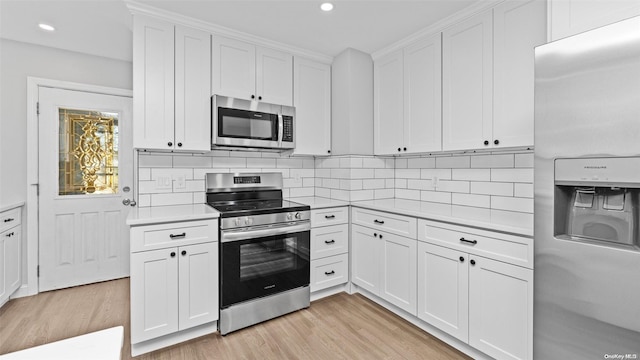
(264, 248)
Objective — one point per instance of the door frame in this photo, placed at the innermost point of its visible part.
(33, 84)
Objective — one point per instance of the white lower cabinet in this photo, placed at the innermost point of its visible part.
(329, 251)
(385, 265)
(10, 244)
(173, 288)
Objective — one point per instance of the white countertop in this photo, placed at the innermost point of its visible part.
(317, 202)
(11, 206)
(437, 212)
(163, 214)
(100, 345)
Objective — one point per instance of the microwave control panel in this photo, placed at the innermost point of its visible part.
(287, 128)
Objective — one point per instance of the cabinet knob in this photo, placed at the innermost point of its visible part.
(405, 149)
(328, 151)
(461, 258)
(473, 262)
(399, 149)
(184, 252)
(486, 142)
(375, 234)
(253, 96)
(496, 141)
(179, 144)
(380, 236)
(259, 97)
(173, 254)
(170, 143)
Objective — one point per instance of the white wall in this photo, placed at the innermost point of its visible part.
(18, 61)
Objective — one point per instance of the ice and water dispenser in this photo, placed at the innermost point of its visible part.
(596, 201)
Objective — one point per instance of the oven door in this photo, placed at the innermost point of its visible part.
(261, 261)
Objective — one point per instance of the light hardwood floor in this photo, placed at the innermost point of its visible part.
(338, 327)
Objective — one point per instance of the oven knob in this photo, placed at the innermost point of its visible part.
(289, 216)
(298, 215)
(238, 221)
(248, 221)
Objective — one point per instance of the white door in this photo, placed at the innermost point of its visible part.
(85, 175)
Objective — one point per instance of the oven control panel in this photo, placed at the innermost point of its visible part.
(265, 219)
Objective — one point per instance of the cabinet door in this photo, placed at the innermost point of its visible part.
(193, 90)
(467, 84)
(274, 76)
(233, 71)
(398, 280)
(519, 27)
(500, 309)
(198, 284)
(12, 260)
(570, 17)
(153, 83)
(366, 249)
(312, 99)
(443, 289)
(422, 96)
(154, 294)
(388, 99)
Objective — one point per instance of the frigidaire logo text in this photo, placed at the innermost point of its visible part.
(595, 166)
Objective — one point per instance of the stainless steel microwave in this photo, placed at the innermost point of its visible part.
(251, 124)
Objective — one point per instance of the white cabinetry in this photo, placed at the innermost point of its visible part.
(312, 100)
(570, 17)
(329, 248)
(384, 263)
(174, 281)
(467, 71)
(488, 77)
(481, 301)
(10, 244)
(407, 92)
(247, 71)
(171, 86)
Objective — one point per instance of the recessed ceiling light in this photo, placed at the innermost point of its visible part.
(46, 27)
(326, 6)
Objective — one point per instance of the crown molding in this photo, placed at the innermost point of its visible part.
(137, 8)
(437, 27)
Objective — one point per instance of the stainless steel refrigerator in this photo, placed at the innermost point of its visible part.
(587, 193)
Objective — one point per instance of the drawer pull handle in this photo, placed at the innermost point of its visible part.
(469, 241)
(378, 221)
(10, 234)
(329, 272)
(329, 241)
(329, 216)
(8, 220)
(184, 234)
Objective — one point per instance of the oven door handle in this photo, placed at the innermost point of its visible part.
(236, 235)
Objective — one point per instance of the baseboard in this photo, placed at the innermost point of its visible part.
(172, 339)
(317, 295)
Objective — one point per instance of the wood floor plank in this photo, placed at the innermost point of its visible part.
(338, 327)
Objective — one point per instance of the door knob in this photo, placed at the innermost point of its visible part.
(127, 202)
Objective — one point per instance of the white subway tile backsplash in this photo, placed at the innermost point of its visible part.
(453, 162)
(171, 199)
(373, 184)
(309, 182)
(492, 188)
(308, 164)
(144, 200)
(401, 183)
(151, 187)
(420, 184)
(510, 218)
(323, 192)
(408, 173)
(173, 173)
(200, 198)
(421, 163)
(300, 192)
(261, 163)
(289, 163)
(228, 162)
(407, 194)
(524, 160)
(389, 183)
(358, 195)
(483, 201)
(297, 173)
(453, 186)
(245, 154)
(219, 153)
(401, 163)
(154, 161)
(144, 174)
(340, 195)
(290, 183)
(442, 174)
(323, 173)
(383, 193)
(384, 173)
(512, 175)
(340, 173)
(512, 204)
(436, 196)
(523, 190)
(191, 161)
(471, 174)
(471, 213)
(362, 173)
(375, 163)
(492, 161)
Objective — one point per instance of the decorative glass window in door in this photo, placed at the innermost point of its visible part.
(88, 159)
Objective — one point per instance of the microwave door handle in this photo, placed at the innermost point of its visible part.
(280, 129)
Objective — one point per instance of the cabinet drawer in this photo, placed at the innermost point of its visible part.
(10, 218)
(158, 236)
(329, 241)
(397, 224)
(517, 250)
(328, 272)
(331, 216)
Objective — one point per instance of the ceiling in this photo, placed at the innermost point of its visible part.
(103, 27)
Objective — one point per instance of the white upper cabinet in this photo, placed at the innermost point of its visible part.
(171, 86)
(519, 26)
(407, 92)
(389, 101)
(570, 17)
(312, 99)
(467, 84)
(423, 96)
(246, 71)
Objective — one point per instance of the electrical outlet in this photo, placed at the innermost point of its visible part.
(163, 182)
(434, 183)
(179, 183)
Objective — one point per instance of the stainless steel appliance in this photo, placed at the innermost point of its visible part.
(264, 248)
(587, 193)
(251, 124)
